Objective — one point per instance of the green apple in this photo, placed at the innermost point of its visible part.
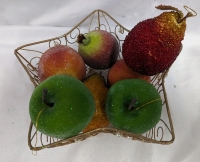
(61, 106)
(133, 105)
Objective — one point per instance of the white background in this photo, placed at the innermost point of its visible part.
(25, 21)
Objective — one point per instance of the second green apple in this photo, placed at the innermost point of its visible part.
(133, 105)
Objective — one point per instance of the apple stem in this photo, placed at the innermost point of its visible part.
(83, 39)
(80, 38)
(132, 103)
(44, 94)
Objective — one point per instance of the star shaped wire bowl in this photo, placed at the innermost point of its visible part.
(29, 55)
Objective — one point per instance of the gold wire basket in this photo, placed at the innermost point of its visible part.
(29, 55)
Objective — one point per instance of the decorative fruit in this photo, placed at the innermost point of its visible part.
(98, 48)
(96, 84)
(61, 59)
(120, 71)
(61, 106)
(133, 105)
(153, 44)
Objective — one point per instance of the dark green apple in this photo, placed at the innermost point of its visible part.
(61, 106)
(133, 105)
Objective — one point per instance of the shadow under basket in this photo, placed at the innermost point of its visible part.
(29, 55)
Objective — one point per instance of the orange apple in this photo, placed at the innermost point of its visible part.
(120, 71)
(61, 59)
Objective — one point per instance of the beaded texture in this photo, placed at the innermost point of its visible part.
(154, 44)
(96, 84)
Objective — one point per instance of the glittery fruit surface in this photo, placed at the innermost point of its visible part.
(61, 59)
(96, 84)
(133, 105)
(154, 44)
(98, 48)
(64, 110)
(120, 71)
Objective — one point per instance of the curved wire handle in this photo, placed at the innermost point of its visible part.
(188, 8)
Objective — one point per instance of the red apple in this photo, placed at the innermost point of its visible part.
(98, 48)
(61, 59)
(120, 71)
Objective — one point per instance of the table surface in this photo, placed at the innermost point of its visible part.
(25, 22)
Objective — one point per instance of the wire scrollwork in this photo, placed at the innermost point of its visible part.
(70, 39)
(55, 42)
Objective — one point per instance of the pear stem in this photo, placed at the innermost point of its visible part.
(167, 7)
(189, 14)
(132, 103)
(44, 94)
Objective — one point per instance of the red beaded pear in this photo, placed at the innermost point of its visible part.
(154, 44)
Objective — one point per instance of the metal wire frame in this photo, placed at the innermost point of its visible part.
(162, 133)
